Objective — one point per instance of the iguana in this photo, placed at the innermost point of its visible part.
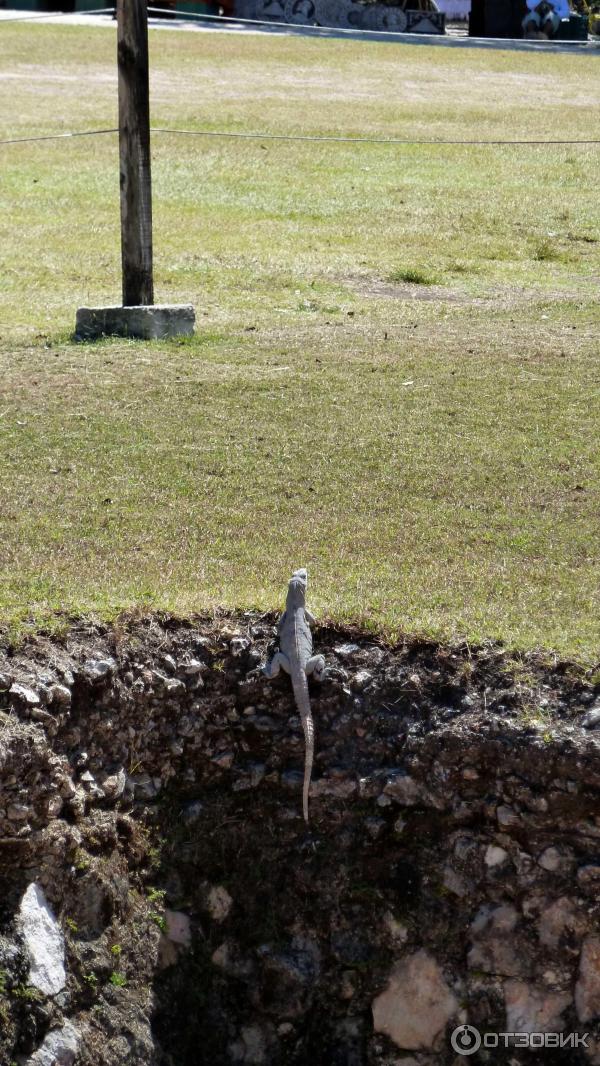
(296, 657)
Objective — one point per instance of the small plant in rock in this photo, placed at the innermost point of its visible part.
(118, 979)
(156, 895)
(91, 979)
(539, 718)
(71, 926)
(466, 671)
(27, 993)
(116, 950)
(154, 855)
(159, 920)
(3, 980)
(82, 860)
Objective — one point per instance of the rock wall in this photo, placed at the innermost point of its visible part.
(152, 846)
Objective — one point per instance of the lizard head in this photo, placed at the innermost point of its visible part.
(297, 587)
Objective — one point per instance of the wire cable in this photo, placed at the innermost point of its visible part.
(358, 140)
(57, 136)
(312, 138)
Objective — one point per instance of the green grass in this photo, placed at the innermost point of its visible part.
(414, 276)
(428, 451)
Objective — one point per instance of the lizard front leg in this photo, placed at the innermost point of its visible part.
(315, 667)
(278, 661)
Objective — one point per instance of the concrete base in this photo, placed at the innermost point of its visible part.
(158, 322)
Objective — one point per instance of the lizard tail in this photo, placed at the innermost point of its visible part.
(300, 686)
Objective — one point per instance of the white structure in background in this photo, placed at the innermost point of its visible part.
(455, 10)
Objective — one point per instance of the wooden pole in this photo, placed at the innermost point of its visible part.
(134, 152)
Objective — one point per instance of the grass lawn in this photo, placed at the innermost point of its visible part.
(395, 378)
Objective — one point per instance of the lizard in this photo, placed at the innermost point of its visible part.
(296, 658)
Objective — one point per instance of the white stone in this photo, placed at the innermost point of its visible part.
(97, 669)
(25, 695)
(497, 947)
(251, 1048)
(495, 856)
(396, 929)
(587, 989)
(454, 882)
(417, 1004)
(530, 1009)
(60, 694)
(403, 788)
(114, 785)
(507, 817)
(179, 928)
(43, 940)
(219, 903)
(558, 917)
(59, 1048)
(550, 859)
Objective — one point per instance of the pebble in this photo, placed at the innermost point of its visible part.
(346, 651)
(192, 811)
(192, 667)
(17, 812)
(95, 670)
(59, 694)
(495, 856)
(224, 759)
(219, 903)
(239, 645)
(25, 695)
(591, 719)
(361, 680)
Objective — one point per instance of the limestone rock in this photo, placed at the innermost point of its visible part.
(253, 1046)
(588, 879)
(495, 856)
(44, 941)
(229, 958)
(95, 670)
(495, 948)
(23, 694)
(403, 788)
(59, 1048)
(560, 919)
(417, 1004)
(113, 786)
(534, 1010)
(179, 928)
(60, 694)
(587, 989)
(219, 903)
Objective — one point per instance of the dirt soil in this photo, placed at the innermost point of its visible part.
(150, 786)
